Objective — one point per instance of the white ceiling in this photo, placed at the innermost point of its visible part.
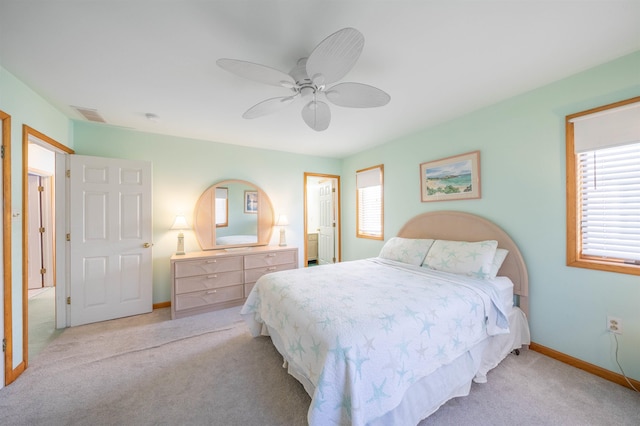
(437, 60)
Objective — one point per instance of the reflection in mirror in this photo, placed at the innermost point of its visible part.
(222, 207)
(233, 213)
(241, 225)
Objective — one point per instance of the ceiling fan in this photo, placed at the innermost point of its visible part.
(331, 60)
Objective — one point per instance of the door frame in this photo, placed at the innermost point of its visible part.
(31, 135)
(7, 371)
(338, 237)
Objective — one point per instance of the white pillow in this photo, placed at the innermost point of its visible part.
(406, 250)
(498, 259)
(462, 257)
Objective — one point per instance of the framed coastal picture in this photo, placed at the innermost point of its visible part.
(451, 178)
(251, 201)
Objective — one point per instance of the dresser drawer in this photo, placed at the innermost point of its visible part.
(207, 282)
(207, 266)
(208, 297)
(269, 259)
(252, 275)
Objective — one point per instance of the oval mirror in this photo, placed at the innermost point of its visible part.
(233, 213)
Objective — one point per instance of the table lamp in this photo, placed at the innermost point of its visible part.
(180, 223)
(282, 222)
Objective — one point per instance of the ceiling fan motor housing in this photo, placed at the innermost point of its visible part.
(305, 85)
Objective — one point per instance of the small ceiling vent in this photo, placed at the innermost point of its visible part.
(89, 114)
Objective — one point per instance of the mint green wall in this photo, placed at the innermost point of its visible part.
(184, 168)
(25, 107)
(521, 143)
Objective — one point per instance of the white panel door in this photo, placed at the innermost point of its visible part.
(110, 248)
(326, 234)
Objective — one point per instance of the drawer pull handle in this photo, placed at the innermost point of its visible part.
(212, 276)
(212, 261)
(273, 268)
(272, 255)
(212, 291)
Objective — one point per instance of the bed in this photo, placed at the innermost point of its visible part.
(388, 340)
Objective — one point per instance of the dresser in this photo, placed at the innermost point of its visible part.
(208, 280)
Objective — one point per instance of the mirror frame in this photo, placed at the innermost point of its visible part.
(204, 217)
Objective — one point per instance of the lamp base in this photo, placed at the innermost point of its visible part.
(180, 249)
(283, 241)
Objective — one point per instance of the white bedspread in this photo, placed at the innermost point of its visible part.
(362, 332)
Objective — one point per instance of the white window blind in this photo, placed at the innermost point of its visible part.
(610, 202)
(608, 128)
(222, 195)
(369, 188)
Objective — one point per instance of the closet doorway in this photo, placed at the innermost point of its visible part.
(322, 235)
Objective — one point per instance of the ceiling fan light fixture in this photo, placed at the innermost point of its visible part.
(307, 91)
(317, 115)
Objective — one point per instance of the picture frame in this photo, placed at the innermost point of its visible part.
(451, 178)
(251, 202)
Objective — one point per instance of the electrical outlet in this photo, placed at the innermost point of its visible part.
(614, 325)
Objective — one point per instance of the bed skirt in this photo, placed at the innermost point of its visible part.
(453, 380)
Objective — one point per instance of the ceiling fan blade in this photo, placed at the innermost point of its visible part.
(269, 106)
(357, 95)
(334, 57)
(257, 72)
(317, 115)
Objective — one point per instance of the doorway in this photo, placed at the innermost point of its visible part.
(43, 196)
(322, 230)
(41, 289)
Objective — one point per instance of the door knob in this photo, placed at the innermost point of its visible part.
(147, 245)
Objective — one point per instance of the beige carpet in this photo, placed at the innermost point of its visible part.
(207, 370)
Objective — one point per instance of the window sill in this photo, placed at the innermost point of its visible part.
(601, 265)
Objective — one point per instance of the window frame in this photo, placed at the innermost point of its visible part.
(575, 258)
(360, 234)
(226, 208)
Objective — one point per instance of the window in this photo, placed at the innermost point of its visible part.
(222, 207)
(369, 203)
(603, 188)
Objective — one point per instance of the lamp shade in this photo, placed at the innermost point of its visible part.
(180, 222)
(282, 220)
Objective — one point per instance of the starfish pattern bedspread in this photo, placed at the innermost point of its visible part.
(362, 332)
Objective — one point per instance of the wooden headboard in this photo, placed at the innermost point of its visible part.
(460, 226)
